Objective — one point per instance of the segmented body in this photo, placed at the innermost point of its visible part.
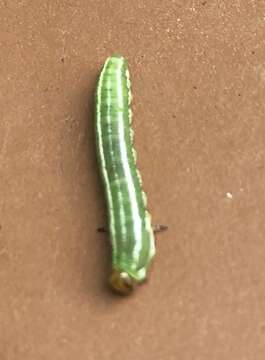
(130, 227)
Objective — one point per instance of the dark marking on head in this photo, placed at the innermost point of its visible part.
(121, 282)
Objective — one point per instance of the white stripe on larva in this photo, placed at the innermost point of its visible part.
(112, 155)
(148, 226)
(137, 225)
(147, 220)
(117, 181)
(102, 156)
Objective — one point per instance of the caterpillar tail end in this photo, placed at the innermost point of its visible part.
(121, 282)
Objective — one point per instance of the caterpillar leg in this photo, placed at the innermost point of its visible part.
(102, 229)
(159, 227)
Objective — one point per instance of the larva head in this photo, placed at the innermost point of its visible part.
(121, 282)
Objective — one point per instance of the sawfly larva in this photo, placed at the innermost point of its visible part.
(129, 227)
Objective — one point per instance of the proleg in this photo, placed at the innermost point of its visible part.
(129, 222)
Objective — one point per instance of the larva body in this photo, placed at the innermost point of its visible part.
(130, 229)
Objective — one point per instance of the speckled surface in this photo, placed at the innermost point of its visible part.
(198, 77)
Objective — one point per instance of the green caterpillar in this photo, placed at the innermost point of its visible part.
(130, 229)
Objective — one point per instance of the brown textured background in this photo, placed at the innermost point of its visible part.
(198, 75)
